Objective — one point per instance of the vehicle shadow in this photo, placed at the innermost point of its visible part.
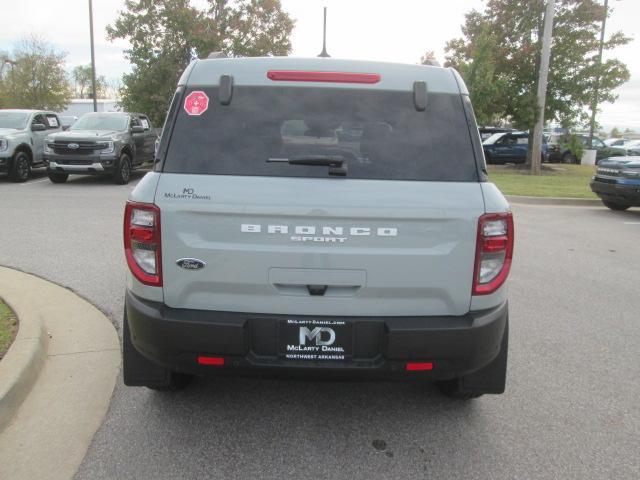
(313, 422)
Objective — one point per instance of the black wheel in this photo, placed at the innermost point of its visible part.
(569, 157)
(56, 177)
(615, 206)
(123, 170)
(21, 168)
(138, 371)
(489, 379)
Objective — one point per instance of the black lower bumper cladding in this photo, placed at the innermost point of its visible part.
(618, 193)
(351, 346)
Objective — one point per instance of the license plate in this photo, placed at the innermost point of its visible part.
(316, 340)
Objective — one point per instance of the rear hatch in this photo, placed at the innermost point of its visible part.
(395, 235)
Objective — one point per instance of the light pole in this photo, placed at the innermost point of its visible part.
(594, 104)
(93, 58)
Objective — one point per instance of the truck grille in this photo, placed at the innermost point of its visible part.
(608, 172)
(76, 148)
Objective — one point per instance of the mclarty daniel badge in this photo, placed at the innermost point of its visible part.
(187, 194)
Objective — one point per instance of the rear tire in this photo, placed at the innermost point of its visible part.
(21, 168)
(138, 371)
(58, 177)
(489, 379)
(123, 170)
(619, 207)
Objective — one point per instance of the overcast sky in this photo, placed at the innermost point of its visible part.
(399, 31)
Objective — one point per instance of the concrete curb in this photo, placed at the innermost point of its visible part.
(21, 365)
(575, 202)
(73, 352)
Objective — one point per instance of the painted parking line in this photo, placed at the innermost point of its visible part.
(632, 223)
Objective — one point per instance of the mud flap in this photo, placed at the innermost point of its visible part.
(492, 378)
(137, 371)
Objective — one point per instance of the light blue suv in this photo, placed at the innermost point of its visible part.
(318, 217)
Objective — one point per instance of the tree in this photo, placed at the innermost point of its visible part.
(165, 35)
(428, 58)
(615, 133)
(37, 78)
(503, 43)
(81, 76)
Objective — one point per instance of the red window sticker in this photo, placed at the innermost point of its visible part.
(196, 103)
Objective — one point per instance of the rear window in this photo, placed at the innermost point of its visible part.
(378, 134)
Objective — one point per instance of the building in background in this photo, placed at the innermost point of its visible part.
(79, 106)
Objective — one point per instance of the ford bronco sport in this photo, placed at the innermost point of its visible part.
(318, 217)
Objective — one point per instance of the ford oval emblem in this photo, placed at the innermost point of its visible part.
(190, 263)
(73, 146)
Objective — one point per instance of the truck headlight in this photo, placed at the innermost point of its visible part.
(631, 173)
(4, 144)
(110, 147)
(47, 147)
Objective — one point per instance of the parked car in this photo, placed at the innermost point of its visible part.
(486, 132)
(509, 147)
(257, 248)
(22, 134)
(617, 182)
(110, 143)
(559, 150)
(632, 147)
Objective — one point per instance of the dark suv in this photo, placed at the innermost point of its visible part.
(110, 143)
(559, 151)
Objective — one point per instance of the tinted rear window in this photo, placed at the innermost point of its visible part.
(379, 134)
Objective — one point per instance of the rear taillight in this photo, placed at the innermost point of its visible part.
(142, 242)
(494, 251)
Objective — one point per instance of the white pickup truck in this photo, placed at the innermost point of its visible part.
(22, 134)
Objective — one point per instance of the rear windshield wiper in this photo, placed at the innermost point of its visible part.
(335, 163)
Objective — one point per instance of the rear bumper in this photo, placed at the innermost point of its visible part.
(174, 338)
(627, 193)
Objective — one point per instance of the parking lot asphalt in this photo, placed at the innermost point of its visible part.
(571, 408)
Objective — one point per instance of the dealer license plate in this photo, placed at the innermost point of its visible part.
(315, 340)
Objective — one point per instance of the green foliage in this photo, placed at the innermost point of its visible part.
(571, 142)
(81, 76)
(165, 35)
(503, 43)
(37, 79)
(615, 133)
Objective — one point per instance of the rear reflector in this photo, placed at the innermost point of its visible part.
(419, 366)
(331, 77)
(213, 361)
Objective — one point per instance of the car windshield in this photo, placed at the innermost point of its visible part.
(16, 120)
(104, 121)
(376, 134)
(493, 138)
